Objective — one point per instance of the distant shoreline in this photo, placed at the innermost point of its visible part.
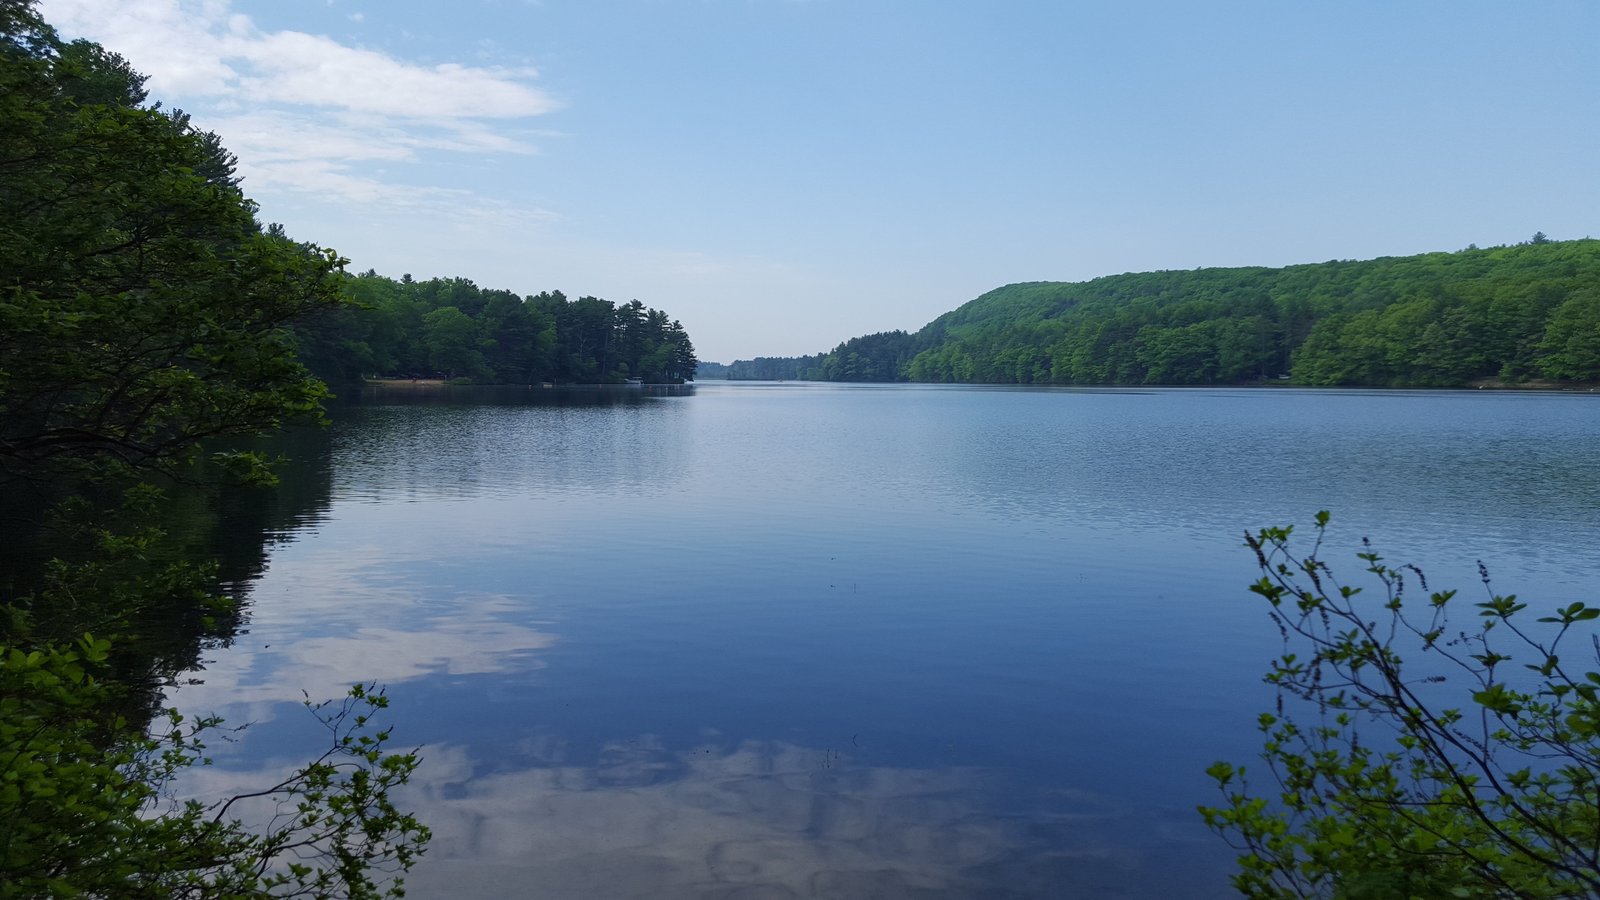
(445, 382)
(1495, 384)
(1482, 384)
(406, 382)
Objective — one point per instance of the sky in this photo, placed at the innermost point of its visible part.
(782, 175)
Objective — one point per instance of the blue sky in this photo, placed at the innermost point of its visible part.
(784, 174)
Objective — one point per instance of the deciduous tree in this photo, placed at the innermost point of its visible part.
(143, 311)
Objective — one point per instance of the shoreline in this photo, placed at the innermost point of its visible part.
(405, 382)
(1491, 384)
(445, 382)
(1482, 384)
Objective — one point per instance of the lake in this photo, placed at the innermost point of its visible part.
(748, 640)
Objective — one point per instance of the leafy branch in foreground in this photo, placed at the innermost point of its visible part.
(1471, 771)
(88, 810)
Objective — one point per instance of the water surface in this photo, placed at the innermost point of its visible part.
(800, 640)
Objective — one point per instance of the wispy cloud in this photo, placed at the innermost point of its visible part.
(307, 113)
(296, 68)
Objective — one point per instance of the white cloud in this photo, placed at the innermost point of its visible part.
(307, 114)
(296, 68)
(331, 180)
(270, 136)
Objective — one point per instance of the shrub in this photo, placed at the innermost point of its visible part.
(1468, 770)
(86, 802)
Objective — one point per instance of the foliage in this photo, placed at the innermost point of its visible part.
(1571, 345)
(143, 310)
(450, 327)
(776, 368)
(877, 357)
(87, 807)
(1437, 319)
(1392, 781)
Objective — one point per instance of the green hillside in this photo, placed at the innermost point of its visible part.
(1438, 319)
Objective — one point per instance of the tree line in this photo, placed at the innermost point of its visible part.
(451, 327)
(1512, 313)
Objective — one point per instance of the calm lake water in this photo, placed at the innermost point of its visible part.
(803, 640)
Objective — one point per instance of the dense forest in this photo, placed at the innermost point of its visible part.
(1530, 311)
(450, 327)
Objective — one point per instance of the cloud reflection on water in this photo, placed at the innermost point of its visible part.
(473, 638)
(769, 819)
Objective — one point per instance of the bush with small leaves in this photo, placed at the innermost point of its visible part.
(87, 808)
(1413, 757)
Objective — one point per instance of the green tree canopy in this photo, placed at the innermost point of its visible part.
(452, 327)
(1571, 345)
(453, 343)
(142, 308)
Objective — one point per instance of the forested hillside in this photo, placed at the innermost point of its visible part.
(872, 357)
(450, 327)
(1438, 319)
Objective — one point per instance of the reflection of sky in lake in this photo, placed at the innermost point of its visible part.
(769, 820)
(856, 641)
